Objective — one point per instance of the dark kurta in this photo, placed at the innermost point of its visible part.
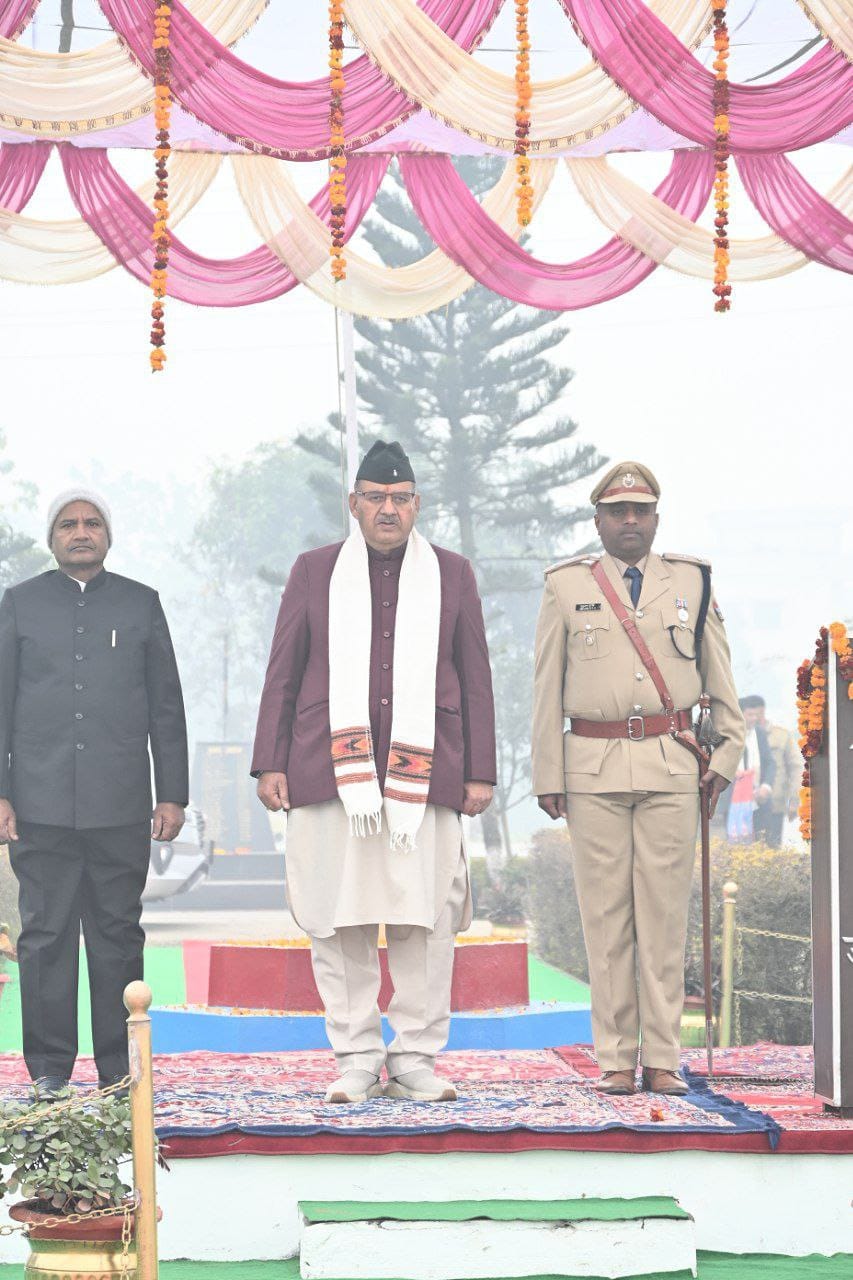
(77, 711)
(293, 734)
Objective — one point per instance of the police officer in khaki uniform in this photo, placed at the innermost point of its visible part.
(604, 758)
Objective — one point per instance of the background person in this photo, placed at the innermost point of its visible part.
(87, 679)
(376, 729)
(787, 764)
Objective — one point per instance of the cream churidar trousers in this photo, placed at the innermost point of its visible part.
(346, 970)
(633, 855)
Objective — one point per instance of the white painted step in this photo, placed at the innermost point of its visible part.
(499, 1238)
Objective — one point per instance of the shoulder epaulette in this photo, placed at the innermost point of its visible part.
(671, 555)
(564, 564)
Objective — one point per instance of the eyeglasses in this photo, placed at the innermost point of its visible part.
(378, 499)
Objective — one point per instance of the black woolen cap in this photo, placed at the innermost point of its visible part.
(385, 463)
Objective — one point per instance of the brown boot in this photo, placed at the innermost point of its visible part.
(661, 1080)
(616, 1083)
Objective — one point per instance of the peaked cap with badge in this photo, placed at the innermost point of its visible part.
(385, 463)
(602, 737)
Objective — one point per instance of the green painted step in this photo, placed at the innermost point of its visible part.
(711, 1266)
(584, 1210)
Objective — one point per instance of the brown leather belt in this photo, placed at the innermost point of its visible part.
(635, 728)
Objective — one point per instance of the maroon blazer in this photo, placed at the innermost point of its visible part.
(293, 734)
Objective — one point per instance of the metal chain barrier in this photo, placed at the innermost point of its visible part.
(741, 993)
(41, 1110)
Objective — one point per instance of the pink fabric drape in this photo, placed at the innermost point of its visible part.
(21, 168)
(796, 212)
(654, 67)
(466, 233)
(280, 117)
(15, 15)
(123, 222)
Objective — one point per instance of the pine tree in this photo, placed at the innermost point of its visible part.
(470, 392)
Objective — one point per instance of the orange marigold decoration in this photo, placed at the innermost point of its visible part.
(524, 189)
(160, 230)
(722, 288)
(337, 158)
(811, 705)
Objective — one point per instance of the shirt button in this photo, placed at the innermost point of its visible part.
(78, 657)
(386, 634)
(80, 630)
(590, 640)
(78, 715)
(640, 675)
(385, 702)
(80, 746)
(385, 666)
(638, 614)
(78, 686)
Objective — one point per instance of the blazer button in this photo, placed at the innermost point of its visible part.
(80, 746)
(384, 702)
(80, 630)
(387, 634)
(386, 666)
(81, 604)
(78, 687)
(78, 715)
(386, 573)
(78, 657)
(641, 675)
(386, 604)
(639, 614)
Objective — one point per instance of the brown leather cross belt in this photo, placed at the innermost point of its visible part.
(635, 728)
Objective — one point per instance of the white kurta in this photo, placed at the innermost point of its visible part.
(335, 879)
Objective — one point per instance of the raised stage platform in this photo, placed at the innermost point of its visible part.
(750, 1155)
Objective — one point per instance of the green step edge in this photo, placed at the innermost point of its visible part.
(613, 1210)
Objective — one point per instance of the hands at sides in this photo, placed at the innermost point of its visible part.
(272, 791)
(554, 804)
(166, 821)
(476, 798)
(8, 823)
(712, 785)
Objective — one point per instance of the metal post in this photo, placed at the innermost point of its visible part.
(728, 975)
(137, 999)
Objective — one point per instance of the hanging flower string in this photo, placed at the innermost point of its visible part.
(337, 158)
(722, 288)
(160, 230)
(811, 705)
(524, 189)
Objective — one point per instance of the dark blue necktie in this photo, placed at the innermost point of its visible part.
(636, 583)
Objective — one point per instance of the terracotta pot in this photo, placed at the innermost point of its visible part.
(85, 1250)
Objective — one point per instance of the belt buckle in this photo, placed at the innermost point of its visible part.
(636, 737)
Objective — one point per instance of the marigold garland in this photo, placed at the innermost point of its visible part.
(337, 158)
(811, 704)
(160, 229)
(524, 190)
(722, 288)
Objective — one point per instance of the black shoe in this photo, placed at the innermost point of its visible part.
(107, 1082)
(45, 1087)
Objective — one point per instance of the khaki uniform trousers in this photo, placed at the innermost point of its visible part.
(346, 970)
(633, 854)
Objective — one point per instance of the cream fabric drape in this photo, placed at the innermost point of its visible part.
(34, 251)
(301, 240)
(57, 94)
(834, 19)
(429, 67)
(640, 218)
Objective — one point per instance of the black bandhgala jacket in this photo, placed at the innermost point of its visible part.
(87, 680)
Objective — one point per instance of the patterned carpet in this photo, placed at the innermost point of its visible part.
(761, 1098)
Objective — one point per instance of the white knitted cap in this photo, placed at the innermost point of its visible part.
(78, 495)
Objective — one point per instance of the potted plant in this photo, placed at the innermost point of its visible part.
(66, 1160)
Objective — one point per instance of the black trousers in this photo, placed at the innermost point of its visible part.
(768, 825)
(68, 879)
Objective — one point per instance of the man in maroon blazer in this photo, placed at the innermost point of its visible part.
(375, 731)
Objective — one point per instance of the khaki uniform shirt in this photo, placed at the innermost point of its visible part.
(587, 667)
(789, 767)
